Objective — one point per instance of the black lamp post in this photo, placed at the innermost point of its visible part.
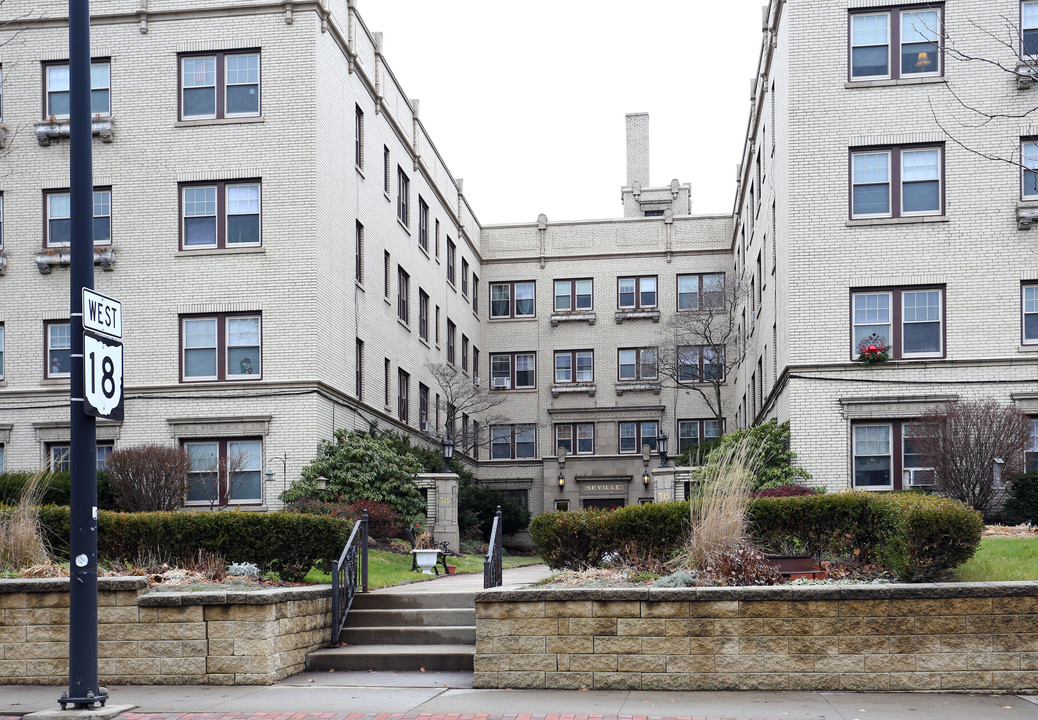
(448, 453)
(661, 447)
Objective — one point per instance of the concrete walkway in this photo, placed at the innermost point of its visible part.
(471, 582)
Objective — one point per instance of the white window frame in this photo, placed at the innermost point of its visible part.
(224, 485)
(1029, 166)
(1, 358)
(940, 324)
(640, 364)
(221, 348)
(851, 46)
(107, 87)
(889, 183)
(98, 194)
(889, 454)
(1028, 306)
(220, 85)
(51, 348)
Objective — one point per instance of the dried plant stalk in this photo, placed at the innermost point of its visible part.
(21, 535)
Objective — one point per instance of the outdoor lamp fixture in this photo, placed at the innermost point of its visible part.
(562, 480)
(448, 453)
(646, 478)
(996, 471)
(322, 482)
(661, 447)
(284, 468)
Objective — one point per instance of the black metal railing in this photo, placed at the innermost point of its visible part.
(492, 563)
(349, 572)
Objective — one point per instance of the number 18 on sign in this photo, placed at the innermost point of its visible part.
(102, 356)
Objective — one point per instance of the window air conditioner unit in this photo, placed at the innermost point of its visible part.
(919, 477)
(475, 380)
(426, 427)
(500, 383)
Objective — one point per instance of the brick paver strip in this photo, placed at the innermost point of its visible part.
(398, 716)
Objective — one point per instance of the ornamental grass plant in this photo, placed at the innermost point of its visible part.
(22, 541)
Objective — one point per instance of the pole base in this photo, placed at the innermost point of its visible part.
(85, 703)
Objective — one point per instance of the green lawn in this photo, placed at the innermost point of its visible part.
(386, 568)
(1002, 558)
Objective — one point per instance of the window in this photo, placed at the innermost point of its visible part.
(403, 388)
(358, 380)
(1029, 323)
(1031, 455)
(700, 363)
(573, 295)
(1, 355)
(57, 92)
(464, 352)
(58, 204)
(700, 292)
(220, 215)
(1029, 163)
(475, 366)
(636, 292)
(104, 451)
(512, 300)
(437, 326)
(513, 370)
(451, 333)
(403, 293)
(220, 347)
(437, 239)
(358, 132)
(475, 280)
(423, 315)
(692, 432)
(359, 254)
(914, 34)
(451, 250)
(897, 182)
(637, 364)
(386, 280)
(423, 408)
(513, 442)
(1, 217)
(403, 190)
(59, 349)
(582, 433)
(385, 373)
(223, 472)
(1, 117)
(385, 170)
(909, 320)
(872, 456)
(59, 457)
(1029, 28)
(423, 224)
(221, 85)
(633, 435)
(575, 366)
(464, 277)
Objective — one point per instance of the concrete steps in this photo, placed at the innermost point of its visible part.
(431, 631)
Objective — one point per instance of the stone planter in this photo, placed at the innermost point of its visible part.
(426, 559)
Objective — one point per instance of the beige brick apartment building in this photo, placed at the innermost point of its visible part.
(293, 254)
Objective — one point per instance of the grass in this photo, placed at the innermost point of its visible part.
(386, 569)
(1002, 558)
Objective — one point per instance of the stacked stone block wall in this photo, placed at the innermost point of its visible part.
(947, 637)
(189, 638)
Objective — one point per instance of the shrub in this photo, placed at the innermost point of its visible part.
(769, 445)
(286, 543)
(477, 507)
(383, 521)
(573, 540)
(837, 524)
(1022, 504)
(56, 488)
(149, 478)
(784, 491)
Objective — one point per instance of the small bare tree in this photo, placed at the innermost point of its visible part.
(218, 482)
(461, 396)
(149, 478)
(704, 344)
(961, 442)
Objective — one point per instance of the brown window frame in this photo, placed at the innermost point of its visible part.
(221, 213)
(572, 295)
(358, 152)
(359, 254)
(573, 366)
(423, 408)
(896, 182)
(222, 460)
(700, 291)
(638, 364)
(48, 193)
(897, 452)
(464, 353)
(220, 88)
(1023, 313)
(512, 315)
(639, 435)
(513, 432)
(403, 295)
(221, 347)
(423, 224)
(464, 277)
(403, 197)
(897, 322)
(452, 337)
(452, 253)
(701, 365)
(701, 437)
(403, 395)
(45, 112)
(574, 448)
(638, 292)
(894, 49)
(512, 371)
(47, 350)
(423, 315)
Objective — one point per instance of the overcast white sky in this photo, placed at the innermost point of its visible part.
(526, 99)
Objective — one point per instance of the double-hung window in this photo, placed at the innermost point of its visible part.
(633, 435)
(358, 254)
(512, 300)
(513, 370)
(59, 349)
(464, 352)
(1029, 309)
(58, 207)
(225, 471)
(1029, 28)
(700, 292)
(57, 91)
(464, 277)
(1, 358)
(910, 320)
(220, 215)
(403, 295)
(513, 442)
(576, 438)
(451, 336)
(403, 390)
(1029, 167)
(223, 85)
(358, 149)
(220, 347)
(636, 293)
(873, 456)
(573, 295)
(423, 408)
(896, 43)
(637, 364)
(423, 224)
(475, 283)
(1031, 454)
(692, 432)
(575, 366)
(423, 315)
(1, 214)
(899, 181)
(451, 259)
(403, 193)
(700, 363)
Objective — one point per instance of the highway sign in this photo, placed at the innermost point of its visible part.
(103, 375)
(102, 314)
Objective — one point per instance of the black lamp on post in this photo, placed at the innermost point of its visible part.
(448, 453)
(661, 447)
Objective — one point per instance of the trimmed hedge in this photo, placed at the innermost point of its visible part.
(57, 489)
(286, 543)
(917, 536)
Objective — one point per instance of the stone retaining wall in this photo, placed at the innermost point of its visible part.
(948, 636)
(168, 638)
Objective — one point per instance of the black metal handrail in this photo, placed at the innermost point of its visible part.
(348, 574)
(492, 563)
